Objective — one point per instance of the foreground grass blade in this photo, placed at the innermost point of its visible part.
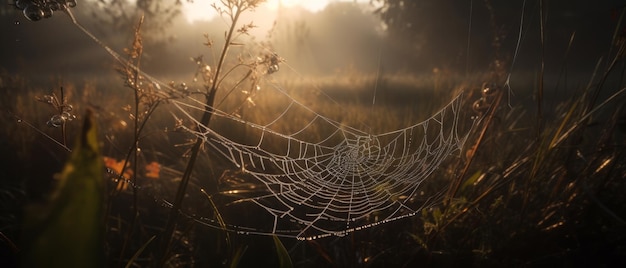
(284, 260)
(236, 258)
(132, 260)
(67, 231)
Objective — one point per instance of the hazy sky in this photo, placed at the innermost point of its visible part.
(55, 47)
(315, 39)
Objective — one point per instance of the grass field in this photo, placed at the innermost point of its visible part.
(539, 181)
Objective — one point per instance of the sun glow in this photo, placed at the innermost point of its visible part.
(200, 10)
(313, 6)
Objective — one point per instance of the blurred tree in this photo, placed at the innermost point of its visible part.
(346, 35)
(342, 36)
(115, 16)
(122, 15)
(429, 33)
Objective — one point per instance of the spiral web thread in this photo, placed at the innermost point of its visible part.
(324, 178)
(321, 177)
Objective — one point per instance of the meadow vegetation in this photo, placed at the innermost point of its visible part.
(536, 184)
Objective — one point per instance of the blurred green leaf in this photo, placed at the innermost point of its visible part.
(283, 255)
(138, 253)
(68, 230)
(236, 258)
(470, 181)
(437, 216)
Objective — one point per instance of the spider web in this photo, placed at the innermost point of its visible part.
(323, 177)
(320, 177)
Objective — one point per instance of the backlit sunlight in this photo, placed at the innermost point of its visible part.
(312, 6)
(202, 11)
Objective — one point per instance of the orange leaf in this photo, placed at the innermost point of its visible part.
(122, 185)
(118, 166)
(153, 169)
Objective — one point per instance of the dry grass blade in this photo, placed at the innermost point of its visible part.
(139, 251)
(220, 220)
(488, 120)
(580, 122)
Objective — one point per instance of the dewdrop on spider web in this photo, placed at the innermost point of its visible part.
(63, 110)
(35, 10)
(487, 92)
(33, 13)
(203, 70)
(56, 121)
(386, 168)
(272, 61)
(59, 120)
(315, 183)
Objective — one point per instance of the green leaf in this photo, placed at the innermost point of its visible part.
(68, 229)
(471, 181)
(236, 258)
(284, 260)
(437, 216)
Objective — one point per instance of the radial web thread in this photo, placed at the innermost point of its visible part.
(325, 178)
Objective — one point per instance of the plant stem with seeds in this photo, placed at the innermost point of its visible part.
(170, 228)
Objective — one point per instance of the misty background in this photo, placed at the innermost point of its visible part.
(388, 36)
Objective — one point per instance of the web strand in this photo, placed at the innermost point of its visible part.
(323, 187)
(320, 177)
